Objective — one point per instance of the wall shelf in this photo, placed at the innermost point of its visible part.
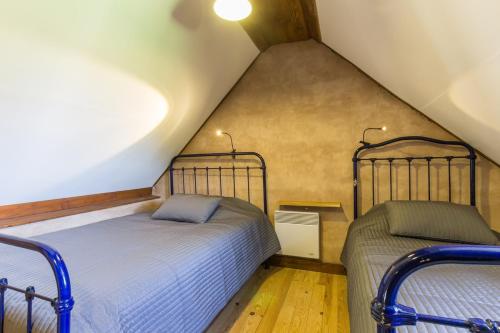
(320, 204)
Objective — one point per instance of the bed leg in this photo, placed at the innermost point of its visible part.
(382, 329)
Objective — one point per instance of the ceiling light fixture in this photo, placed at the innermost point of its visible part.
(232, 10)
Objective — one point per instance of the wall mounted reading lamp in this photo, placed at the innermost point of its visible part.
(364, 142)
(221, 133)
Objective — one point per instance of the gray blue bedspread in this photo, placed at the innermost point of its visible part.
(136, 274)
(447, 290)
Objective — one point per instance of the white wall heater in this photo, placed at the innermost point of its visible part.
(298, 233)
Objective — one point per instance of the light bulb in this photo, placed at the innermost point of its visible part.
(232, 10)
(218, 132)
(384, 128)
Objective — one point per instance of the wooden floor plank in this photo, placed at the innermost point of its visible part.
(314, 321)
(287, 300)
(253, 313)
(301, 309)
(330, 306)
(299, 275)
(267, 323)
(285, 315)
(342, 308)
(312, 277)
(230, 314)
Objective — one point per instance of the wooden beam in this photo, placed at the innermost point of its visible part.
(281, 21)
(311, 18)
(24, 213)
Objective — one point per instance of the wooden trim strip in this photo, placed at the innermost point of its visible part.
(306, 264)
(24, 213)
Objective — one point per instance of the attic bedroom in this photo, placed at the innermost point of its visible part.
(249, 166)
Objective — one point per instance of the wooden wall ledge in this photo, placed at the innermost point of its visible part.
(24, 213)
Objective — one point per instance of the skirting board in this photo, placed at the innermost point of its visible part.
(306, 264)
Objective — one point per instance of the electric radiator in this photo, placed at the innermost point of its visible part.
(298, 233)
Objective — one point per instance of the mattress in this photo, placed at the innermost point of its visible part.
(136, 274)
(454, 291)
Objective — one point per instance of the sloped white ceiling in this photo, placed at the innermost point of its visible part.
(98, 95)
(440, 56)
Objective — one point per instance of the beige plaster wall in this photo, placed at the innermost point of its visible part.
(304, 108)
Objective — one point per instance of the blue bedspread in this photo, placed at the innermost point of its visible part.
(453, 291)
(136, 274)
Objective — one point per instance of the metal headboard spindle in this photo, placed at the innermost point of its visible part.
(409, 159)
(232, 169)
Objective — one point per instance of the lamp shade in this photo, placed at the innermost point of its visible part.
(232, 10)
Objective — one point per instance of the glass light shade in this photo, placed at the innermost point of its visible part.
(232, 10)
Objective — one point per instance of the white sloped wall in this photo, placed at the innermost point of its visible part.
(98, 95)
(440, 56)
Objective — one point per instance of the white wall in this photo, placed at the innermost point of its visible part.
(98, 95)
(440, 56)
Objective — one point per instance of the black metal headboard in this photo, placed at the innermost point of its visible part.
(203, 171)
(409, 159)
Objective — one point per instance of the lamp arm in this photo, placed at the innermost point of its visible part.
(230, 138)
(368, 129)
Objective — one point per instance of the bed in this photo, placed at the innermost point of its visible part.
(388, 289)
(135, 273)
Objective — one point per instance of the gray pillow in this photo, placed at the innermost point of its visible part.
(187, 208)
(441, 221)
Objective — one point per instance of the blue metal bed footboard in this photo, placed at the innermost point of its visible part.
(389, 314)
(62, 304)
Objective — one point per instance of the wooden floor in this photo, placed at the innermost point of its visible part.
(287, 300)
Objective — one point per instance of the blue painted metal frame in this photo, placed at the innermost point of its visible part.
(389, 314)
(64, 302)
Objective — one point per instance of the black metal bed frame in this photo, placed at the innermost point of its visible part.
(63, 303)
(206, 169)
(385, 309)
(449, 158)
